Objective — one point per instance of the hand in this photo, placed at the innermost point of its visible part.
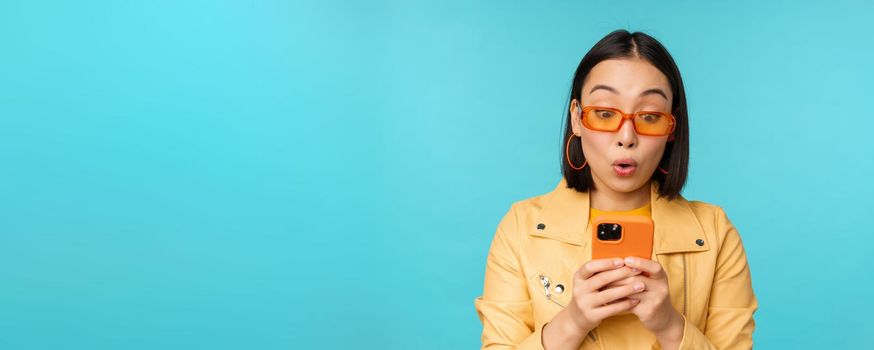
(590, 304)
(654, 310)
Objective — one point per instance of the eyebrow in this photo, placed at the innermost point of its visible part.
(652, 91)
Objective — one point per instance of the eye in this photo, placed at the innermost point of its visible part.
(604, 113)
(650, 117)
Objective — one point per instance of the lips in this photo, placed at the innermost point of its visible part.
(624, 167)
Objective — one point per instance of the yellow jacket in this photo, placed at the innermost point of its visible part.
(543, 240)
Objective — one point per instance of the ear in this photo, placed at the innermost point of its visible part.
(576, 123)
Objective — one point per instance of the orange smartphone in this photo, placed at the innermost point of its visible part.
(619, 236)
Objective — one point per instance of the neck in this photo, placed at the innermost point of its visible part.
(608, 200)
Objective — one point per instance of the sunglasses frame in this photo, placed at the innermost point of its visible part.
(631, 116)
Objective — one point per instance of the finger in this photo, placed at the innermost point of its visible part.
(653, 268)
(594, 266)
(650, 290)
(604, 278)
(622, 282)
(613, 294)
(615, 308)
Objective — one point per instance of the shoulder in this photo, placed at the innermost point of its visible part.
(530, 205)
(522, 213)
(713, 219)
(704, 209)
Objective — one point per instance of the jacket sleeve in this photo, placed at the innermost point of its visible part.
(730, 321)
(505, 308)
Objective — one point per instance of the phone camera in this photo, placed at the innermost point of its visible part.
(609, 232)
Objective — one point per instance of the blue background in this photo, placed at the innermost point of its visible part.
(272, 175)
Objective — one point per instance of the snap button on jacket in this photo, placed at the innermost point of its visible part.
(546, 238)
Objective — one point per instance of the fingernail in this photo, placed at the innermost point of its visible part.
(629, 260)
(617, 263)
(634, 269)
(634, 301)
(638, 286)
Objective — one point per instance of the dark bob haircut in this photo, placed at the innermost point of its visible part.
(622, 44)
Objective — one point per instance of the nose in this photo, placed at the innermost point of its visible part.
(626, 136)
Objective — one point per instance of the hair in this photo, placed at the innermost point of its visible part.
(622, 44)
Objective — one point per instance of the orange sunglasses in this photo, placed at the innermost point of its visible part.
(645, 122)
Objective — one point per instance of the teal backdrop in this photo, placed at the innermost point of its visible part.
(293, 175)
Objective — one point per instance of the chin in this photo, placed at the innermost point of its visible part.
(624, 184)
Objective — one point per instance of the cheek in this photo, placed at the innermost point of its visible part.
(595, 144)
(652, 150)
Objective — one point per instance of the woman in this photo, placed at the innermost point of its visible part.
(626, 151)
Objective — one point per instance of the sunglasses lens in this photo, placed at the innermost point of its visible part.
(653, 123)
(603, 119)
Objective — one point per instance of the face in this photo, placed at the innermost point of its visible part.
(630, 85)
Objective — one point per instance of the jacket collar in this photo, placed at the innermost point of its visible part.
(565, 217)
